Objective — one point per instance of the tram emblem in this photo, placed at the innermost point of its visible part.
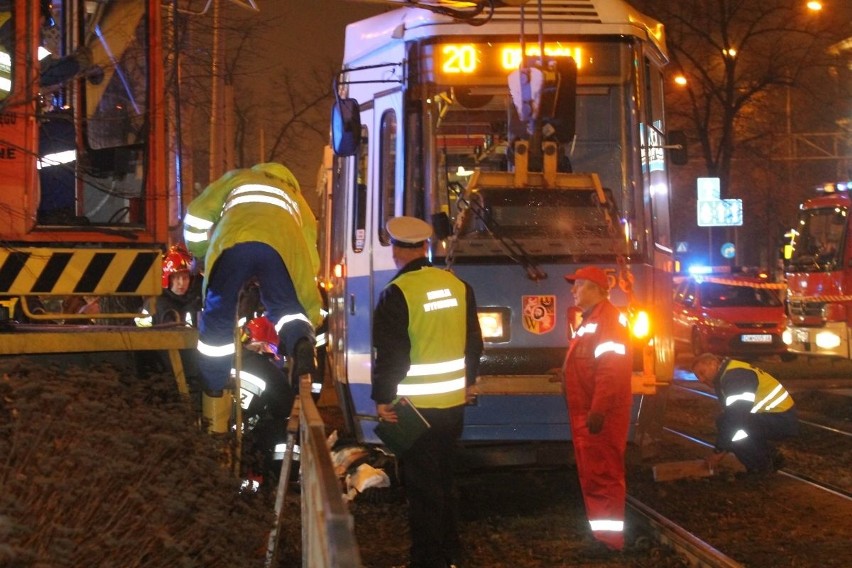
(539, 313)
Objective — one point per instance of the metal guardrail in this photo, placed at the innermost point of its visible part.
(328, 529)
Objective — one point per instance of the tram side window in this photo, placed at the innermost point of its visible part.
(414, 193)
(359, 199)
(7, 47)
(387, 173)
(656, 154)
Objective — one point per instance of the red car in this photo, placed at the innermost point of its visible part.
(729, 315)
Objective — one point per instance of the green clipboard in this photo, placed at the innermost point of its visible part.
(400, 436)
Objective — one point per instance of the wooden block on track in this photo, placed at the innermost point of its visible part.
(671, 471)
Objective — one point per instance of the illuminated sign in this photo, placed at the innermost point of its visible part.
(470, 58)
(461, 62)
(720, 213)
(716, 212)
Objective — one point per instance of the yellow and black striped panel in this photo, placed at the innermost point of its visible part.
(99, 272)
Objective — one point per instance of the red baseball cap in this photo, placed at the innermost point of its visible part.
(590, 273)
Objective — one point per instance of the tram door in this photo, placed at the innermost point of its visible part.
(387, 184)
(370, 266)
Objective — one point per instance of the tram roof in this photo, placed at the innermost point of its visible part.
(577, 17)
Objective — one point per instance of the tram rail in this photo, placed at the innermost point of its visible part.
(810, 423)
(786, 471)
(699, 553)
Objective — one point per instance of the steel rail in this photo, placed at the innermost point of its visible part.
(801, 421)
(824, 427)
(699, 553)
(827, 487)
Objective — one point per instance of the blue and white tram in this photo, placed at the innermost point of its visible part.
(526, 175)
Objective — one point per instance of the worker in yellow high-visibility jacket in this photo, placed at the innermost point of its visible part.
(756, 410)
(254, 224)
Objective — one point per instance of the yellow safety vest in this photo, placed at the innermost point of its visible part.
(437, 308)
(770, 395)
(251, 206)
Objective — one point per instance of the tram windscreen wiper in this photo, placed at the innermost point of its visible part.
(513, 248)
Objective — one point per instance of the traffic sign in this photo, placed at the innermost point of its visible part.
(728, 250)
(720, 213)
(709, 189)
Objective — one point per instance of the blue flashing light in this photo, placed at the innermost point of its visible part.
(699, 269)
(833, 187)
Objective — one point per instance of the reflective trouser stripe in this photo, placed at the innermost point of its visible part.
(216, 350)
(739, 435)
(607, 525)
(280, 449)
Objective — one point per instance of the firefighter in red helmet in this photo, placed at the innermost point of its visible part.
(178, 304)
(266, 396)
(597, 374)
(180, 301)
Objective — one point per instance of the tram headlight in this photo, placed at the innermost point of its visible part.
(494, 323)
(827, 340)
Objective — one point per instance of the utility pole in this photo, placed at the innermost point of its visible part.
(217, 101)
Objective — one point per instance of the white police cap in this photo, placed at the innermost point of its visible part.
(408, 232)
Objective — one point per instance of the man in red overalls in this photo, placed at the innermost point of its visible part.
(596, 375)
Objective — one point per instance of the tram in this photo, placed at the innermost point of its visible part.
(528, 166)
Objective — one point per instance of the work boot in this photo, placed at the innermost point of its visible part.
(304, 361)
(216, 407)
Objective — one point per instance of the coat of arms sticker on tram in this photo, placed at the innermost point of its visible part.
(539, 313)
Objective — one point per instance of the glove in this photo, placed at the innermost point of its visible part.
(595, 422)
(304, 360)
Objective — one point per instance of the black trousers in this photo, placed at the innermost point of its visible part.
(429, 480)
(756, 451)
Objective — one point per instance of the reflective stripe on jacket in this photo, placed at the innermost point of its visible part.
(758, 388)
(436, 327)
(599, 364)
(252, 205)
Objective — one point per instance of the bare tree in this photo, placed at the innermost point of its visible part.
(276, 112)
(743, 61)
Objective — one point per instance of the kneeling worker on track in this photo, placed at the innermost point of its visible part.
(756, 410)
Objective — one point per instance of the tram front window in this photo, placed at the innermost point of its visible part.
(468, 118)
(546, 222)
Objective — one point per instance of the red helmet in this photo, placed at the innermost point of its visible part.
(262, 332)
(177, 259)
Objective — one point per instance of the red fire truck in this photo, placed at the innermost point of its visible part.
(819, 275)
